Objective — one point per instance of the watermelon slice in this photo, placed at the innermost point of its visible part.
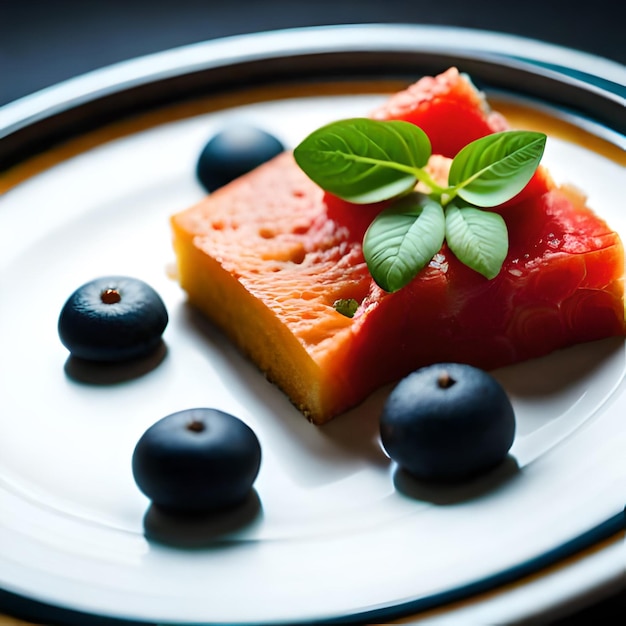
(268, 256)
(448, 108)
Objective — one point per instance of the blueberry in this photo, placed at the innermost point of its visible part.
(112, 318)
(234, 151)
(197, 460)
(447, 422)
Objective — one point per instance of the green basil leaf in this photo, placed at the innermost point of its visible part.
(478, 238)
(403, 239)
(362, 160)
(346, 306)
(493, 169)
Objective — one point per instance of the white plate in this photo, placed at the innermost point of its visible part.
(332, 533)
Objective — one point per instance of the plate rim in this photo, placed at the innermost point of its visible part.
(337, 37)
(590, 77)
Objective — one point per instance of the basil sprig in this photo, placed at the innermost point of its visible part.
(364, 161)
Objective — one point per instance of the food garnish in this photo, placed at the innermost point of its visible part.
(197, 461)
(112, 319)
(364, 161)
(233, 151)
(447, 422)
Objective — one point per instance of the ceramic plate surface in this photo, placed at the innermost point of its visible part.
(332, 532)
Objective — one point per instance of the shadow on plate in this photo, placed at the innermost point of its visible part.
(201, 530)
(445, 493)
(97, 373)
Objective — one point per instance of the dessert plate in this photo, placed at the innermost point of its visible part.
(93, 169)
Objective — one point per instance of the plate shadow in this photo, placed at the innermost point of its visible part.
(201, 530)
(101, 373)
(447, 493)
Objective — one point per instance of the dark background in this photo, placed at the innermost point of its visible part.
(43, 42)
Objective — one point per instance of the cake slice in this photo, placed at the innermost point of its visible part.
(268, 256)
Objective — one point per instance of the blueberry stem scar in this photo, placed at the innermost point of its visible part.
(444, 380)
(110, 296)
(196, 426)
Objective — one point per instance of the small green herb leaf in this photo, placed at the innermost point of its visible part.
(366, 161)
(403, 239)
(346, 306)
(478, 238)
(493, 169)
(363, 160)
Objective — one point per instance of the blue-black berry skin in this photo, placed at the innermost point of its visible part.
(197, 461)
(112, 319)
(234, 151)
(447, 422)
